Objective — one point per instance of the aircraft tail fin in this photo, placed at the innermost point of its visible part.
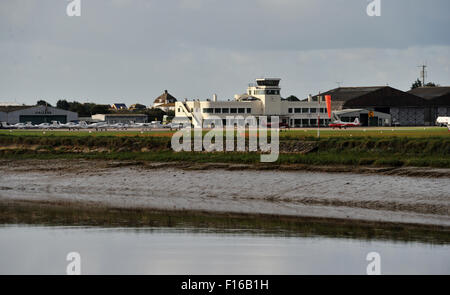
(356, 121)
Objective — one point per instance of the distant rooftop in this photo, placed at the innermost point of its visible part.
(430, 92)
(5, 104)
(9, 109)
(165, 98)
(347, 93)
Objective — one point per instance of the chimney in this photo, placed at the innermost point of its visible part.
(215, 97)
(165, 91)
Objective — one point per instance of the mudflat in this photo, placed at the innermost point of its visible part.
(371, 196)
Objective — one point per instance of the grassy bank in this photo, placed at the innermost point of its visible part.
(367, 151)
(74, 214)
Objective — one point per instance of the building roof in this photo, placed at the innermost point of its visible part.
(166, 105)
(164, 98)
(347, 93)
(9, 109)
(6, 104)
(374, 96)
(430, 92)
(119, 105)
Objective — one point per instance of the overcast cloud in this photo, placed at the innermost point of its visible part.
(132, 50)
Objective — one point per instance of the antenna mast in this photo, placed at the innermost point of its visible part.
(423, 73)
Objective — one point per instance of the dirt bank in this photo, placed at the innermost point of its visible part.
(230, 188)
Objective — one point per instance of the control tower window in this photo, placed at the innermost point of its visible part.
(233, 110)
(275, 82)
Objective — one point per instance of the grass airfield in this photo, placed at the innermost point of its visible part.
(293, 133)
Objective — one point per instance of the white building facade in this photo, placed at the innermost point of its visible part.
(261, 99)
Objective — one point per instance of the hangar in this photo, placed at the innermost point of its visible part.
(406, 109)
(35, 114)
(438, 101)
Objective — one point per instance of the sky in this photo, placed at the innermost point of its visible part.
(132, 50)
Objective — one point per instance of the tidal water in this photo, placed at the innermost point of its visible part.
(43, 250)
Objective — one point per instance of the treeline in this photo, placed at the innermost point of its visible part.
(83, 109)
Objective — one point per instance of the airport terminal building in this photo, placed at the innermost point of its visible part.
(261, 99)
(35, 114)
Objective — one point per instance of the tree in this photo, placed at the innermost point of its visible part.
(63, 104)
(43, 103)
(155, 114)
(292, 98)
(99, 109)
(416, 84)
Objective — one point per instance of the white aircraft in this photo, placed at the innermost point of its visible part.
(70, 125)
(98, 126)
(119, 126)
(5, 125)
(175, 126)
(18, 126)
(155, 124)
(139, 125)
(43, 126)
(340, 124)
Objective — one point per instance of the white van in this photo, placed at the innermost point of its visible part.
(443, 121)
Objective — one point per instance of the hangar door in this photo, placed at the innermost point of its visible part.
(38, 119)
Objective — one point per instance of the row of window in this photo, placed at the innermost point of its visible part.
(308, 122)
(264, 92)
(227, 110)
(306, 110)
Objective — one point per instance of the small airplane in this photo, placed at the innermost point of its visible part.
(98, 126)
(155, 125)
(70, 125)
(18, 126)
(119, 126)
(5, 125)
(175, 126)
(340, 124)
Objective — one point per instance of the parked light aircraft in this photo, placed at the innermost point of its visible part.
(340, 124)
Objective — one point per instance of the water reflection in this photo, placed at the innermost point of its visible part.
(42, 250)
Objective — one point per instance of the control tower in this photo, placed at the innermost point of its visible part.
(268, 91)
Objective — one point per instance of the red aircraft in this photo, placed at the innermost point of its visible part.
(339, 124)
